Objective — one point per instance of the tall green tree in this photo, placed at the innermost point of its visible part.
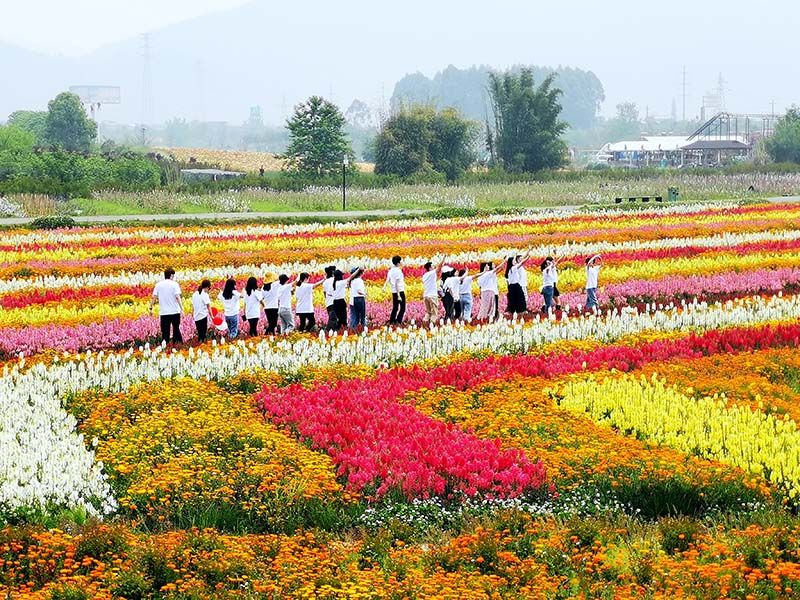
(317, 139)
(67, 126)
(32, 121)
(784, 145)
(526, 136)
(420, 140)
(16, 139)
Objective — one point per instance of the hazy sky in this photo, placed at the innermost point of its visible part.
(40, 24)
(636, 48)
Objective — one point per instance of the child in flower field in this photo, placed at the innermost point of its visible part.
(167, 293)
(201, 304)
(549, 268)
(516, 297)
(430, 292)
(465, 293)
(253, 301)
(487, 281)
(395, 280)
(592, 276)
(231, 299)
(304, 292)
(358, 299)
(327, 286)
(285, 315)
(269, 293)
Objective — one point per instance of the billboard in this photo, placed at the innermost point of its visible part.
(97, 94)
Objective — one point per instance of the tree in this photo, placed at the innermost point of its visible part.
(317, 141)
(626, 125)
(67, 125)
(359, 115)
(422, 140)
(16, 139)
(784, 145)
(527, 129)
(32, 121)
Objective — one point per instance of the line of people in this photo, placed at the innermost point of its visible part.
(442, 285)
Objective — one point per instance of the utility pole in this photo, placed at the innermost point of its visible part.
(772, 102)
(683, 114)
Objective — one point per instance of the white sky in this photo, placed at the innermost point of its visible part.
(73, 27)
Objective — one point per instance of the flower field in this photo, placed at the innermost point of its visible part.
(647, 450)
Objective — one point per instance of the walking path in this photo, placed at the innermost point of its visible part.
(254, 216)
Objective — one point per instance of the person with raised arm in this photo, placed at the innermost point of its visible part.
(304, 294)
(327, 287)
(549, 269)
(430, 291)
(269, 292)
(592, 277)
(487, 282)
(516, 296)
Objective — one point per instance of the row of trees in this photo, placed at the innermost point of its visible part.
(524, 136)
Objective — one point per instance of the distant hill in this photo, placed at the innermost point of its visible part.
(466, 89)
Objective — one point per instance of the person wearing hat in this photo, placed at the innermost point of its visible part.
(269, 292)
(592, 276)
(358, 298)
(304, 294)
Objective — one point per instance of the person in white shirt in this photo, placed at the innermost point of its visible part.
(167, 293)
(516, 296)
(396, 282)
(549, 279)
(358, 299)
(304, 293)
(327, 287)
(465, 295)
(592, 278)
(430, 291)
(339, 295)
(201, 304)
(451, 288)
(253, 301)
(269, 293)
(231, 299)
(487, 282)
(285, 315)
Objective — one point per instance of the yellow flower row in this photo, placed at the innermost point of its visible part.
(737, 435)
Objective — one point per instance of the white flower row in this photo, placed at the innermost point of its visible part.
(723, 240)
(75, 236)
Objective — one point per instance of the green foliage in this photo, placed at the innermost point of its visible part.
(68, 592)
(317, 141)
(52, 222)
(32, 121)
(465, 90)
(784, 145)
(16, 139)
(678, 534)
(527, 127)
(67, 125)
(130, 585)
(421, 140)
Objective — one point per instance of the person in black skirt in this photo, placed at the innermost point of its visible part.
(516, 295)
